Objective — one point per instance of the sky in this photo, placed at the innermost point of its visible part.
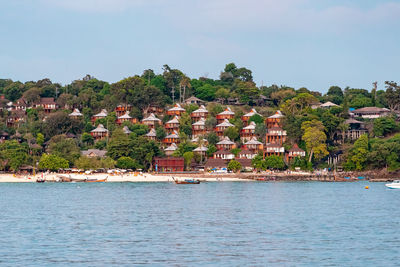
(300, 43)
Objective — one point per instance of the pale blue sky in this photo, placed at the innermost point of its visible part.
(311, 43)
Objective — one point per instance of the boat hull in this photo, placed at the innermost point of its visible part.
(393, 186)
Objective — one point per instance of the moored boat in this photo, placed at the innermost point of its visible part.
(394, 185)
(187, 181)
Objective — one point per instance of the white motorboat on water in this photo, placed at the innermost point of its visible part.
(394, 185)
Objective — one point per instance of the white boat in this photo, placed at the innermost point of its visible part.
(394, 185)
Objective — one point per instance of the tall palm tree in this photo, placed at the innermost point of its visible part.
(185, 83)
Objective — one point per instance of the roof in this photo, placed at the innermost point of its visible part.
(225, 123)
(97, 152)
(193, 98)
(352, 121)
(196, 139)
(151, 133)
(126, 130)
(201, 109)
(76, 113)
(251, 113)
(201, 149)
(253, 141)
(227, 111)
(246, 152)
(201, 122)
(216, 163)
(277, 115)
(151, 117)
(47, 100)
(328, 104)
(103, 113)
(223, 152)
(244, 162)
(125, 116)
(100, 129)
(176, 107)
(172, 147)
(174, 120)
(251, 126)
(296, 148)
(174, 134)
(226, 141)
(371, 110)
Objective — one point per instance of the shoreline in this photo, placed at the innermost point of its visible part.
(205, 177)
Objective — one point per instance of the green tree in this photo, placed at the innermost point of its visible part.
(358, 155)
(257, 163)
(13, 155)
(127, 163)
(64, 147)
(52, 162)
(87, 139)
(40, 139)
(384, 126)
(258, 119)
(232, 133)
(234, 166)
(315, 138)
(275, 162)
(188, 156)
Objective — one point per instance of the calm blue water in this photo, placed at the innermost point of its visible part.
(224, 224)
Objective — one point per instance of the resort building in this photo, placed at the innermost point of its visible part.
(355, 130)
(246, 117)
(169, 164)
(172, 125)
(275, 120)
(20, 104)
(328, 105)
(100, 132)
(295, 152)
(171, 149)
(220, 128)
(151, 135)
(254, 145)
(122, 109)
(246, 154)
(101, 115)
(16, 117)
(171, 138)
(196, 140)
(248, 132)
(371, 112)
(273, 149)
(94, 153)
(194, 100)
(126, 117)
(76, 114)
(201, 150)
(275, 135)
(227, 114)
(226, 144)
(176, 110)
(200, 113)
(199, 128)
(152, 121)
(224, 154)
(216, 164)
(47, 104)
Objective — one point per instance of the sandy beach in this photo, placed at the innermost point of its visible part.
(139, 178)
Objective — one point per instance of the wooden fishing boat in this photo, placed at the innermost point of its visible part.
(187, 181)
(96, 180)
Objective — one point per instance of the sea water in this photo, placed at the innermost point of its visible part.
(214, 224)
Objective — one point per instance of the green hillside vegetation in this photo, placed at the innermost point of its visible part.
(55, 140)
